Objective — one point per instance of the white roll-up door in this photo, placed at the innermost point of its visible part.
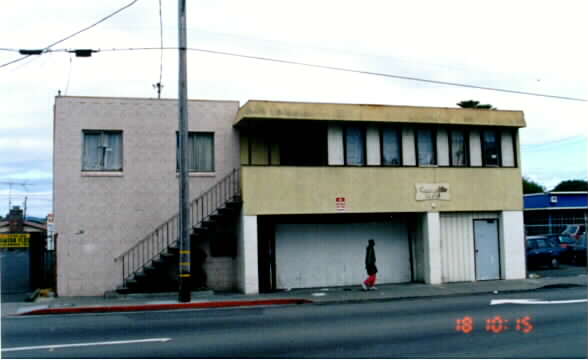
(318, 255)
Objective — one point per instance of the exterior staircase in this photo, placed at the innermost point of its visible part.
(152, 264)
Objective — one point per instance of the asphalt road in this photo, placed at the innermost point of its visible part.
(419, 328)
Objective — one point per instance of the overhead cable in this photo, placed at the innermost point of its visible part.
(401, 77)
(47, 48)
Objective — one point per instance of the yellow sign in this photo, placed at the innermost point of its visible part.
(14, 240)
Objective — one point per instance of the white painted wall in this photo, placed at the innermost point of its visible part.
(408, 147)
(247, 256)
(373, 146)
(100, 215)
(512, 245)
(442, 147)
(432, 244)
(475, 148)
(314, 255)
(335, 144)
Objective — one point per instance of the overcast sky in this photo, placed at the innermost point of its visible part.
(529, 46)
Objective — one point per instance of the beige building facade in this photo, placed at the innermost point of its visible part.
(439, 190)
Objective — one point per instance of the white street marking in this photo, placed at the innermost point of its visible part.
(52, 347)
(535, 302)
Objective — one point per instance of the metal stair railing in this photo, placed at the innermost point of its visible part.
(166, 235)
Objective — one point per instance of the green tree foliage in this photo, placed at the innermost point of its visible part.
(572, 185)
(531, 187)
(473, 104)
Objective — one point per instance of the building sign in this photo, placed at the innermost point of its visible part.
(432, 192)
(14, 240)
(340, 204)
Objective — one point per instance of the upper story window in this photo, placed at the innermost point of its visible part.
(425, 143)
(355, 150)
(200, 152)
(458, 146)
(102, 150)
(391, 147)
(490, 148)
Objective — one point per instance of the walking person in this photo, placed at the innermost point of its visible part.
(370, 266)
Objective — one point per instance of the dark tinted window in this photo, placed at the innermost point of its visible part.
(391, 146)
(458, 148)
(490, 152)
(426, 147)
(354, 146)
(551, 243)
(542, 243)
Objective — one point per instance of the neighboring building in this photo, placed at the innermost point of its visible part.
(22, 246)
(552, 212)
(304, 186)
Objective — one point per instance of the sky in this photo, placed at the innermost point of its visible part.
(528, 46)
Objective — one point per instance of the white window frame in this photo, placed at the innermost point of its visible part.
(105, 151)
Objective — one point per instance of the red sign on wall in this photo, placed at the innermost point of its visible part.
(340, 203)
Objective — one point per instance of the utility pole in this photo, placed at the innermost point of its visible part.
(184, 231)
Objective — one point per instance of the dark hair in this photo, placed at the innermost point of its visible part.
(372, 242)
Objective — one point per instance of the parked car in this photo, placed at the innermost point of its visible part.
(566, 242)
(575, 231)
(579, 251)
(542, 251)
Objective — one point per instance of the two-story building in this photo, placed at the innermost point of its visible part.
(285, 194)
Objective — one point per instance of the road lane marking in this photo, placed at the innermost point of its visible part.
(535, 302)
(51, 347)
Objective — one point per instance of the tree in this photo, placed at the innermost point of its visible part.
(572, 185)
(473, 104)
(531, 187)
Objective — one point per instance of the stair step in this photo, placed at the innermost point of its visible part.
(199, 230)
(217, 217)
(123, 290)
(227, 211)
(209, 223)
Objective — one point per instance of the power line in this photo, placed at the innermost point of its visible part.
(46, 49)
(401, 77)
(335, 68)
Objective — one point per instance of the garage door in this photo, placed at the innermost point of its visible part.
(317, 255)
(15, 264)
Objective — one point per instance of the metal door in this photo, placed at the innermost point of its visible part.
(15, 264)
(486, 249)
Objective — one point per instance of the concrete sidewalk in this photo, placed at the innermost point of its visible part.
(210, 299)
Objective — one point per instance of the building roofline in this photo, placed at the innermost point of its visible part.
(559, 193)
(370, 104)
(139, 98)
(558, 208)
(289, 110)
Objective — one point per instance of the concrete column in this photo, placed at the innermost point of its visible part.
(432, 237)
(512, 245)
(248, 270)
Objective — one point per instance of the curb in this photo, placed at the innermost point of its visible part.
(456, 294)
(155, 307)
